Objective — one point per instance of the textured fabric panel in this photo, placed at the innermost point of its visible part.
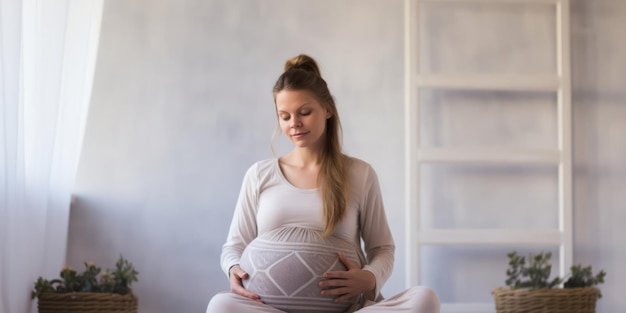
(285, 266)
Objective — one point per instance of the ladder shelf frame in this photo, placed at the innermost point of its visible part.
(560, 83)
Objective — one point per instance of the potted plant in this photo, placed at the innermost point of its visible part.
(88, 291)
(530, 289)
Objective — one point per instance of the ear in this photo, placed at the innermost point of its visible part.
(328, 114)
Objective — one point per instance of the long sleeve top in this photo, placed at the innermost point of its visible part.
(267, 201)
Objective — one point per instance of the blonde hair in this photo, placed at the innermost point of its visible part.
(302, 73)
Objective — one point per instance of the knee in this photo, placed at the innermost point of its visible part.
(426, 300)
(221, 302)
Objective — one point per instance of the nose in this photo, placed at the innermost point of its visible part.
(295, 123)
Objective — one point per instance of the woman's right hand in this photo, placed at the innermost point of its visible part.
(235, 276)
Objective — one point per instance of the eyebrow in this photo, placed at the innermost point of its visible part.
(300, 107)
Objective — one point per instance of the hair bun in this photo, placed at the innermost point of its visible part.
(303, 62)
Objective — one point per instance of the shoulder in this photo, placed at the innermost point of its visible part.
(263, 170)
(357, 164)
(263, 165)
(364, 186)
(360, 170)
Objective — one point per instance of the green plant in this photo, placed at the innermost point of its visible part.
(91, 279)
(582, 277)
(534, 272)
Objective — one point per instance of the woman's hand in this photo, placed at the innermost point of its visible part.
(347, 284)
(235, 275)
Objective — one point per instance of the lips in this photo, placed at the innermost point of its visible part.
(299, 135)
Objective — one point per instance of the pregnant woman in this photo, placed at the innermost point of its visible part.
(294, 243)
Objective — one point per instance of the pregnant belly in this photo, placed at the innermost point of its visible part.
(286, 264)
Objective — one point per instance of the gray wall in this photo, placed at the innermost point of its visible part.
(599, 98)
(182, 105)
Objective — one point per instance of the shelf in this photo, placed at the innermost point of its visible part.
(488, 155)
(557, 84)
(489, 82)
(490, 237)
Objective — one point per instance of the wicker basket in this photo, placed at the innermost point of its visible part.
(87, 302)
(555, 300)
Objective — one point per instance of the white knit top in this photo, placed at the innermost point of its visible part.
(267, 201)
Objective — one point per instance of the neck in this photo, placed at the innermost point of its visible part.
(305, 157)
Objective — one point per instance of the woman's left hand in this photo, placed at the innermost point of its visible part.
(348, 284)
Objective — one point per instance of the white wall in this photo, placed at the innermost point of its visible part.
(182, 105)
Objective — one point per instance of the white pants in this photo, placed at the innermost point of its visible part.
(413, 300)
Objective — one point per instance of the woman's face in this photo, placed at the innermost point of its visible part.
(301, 117)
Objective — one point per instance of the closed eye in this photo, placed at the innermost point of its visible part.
(284, 116)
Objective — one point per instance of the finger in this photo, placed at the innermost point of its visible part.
(343, 298)
(335, 291)
(340, 294)
(240, 273)
(333, 283)
(237, 288)
(240, 290)
(336, 275)
(349, 265)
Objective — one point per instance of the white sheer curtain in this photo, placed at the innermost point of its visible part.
(47, 60)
